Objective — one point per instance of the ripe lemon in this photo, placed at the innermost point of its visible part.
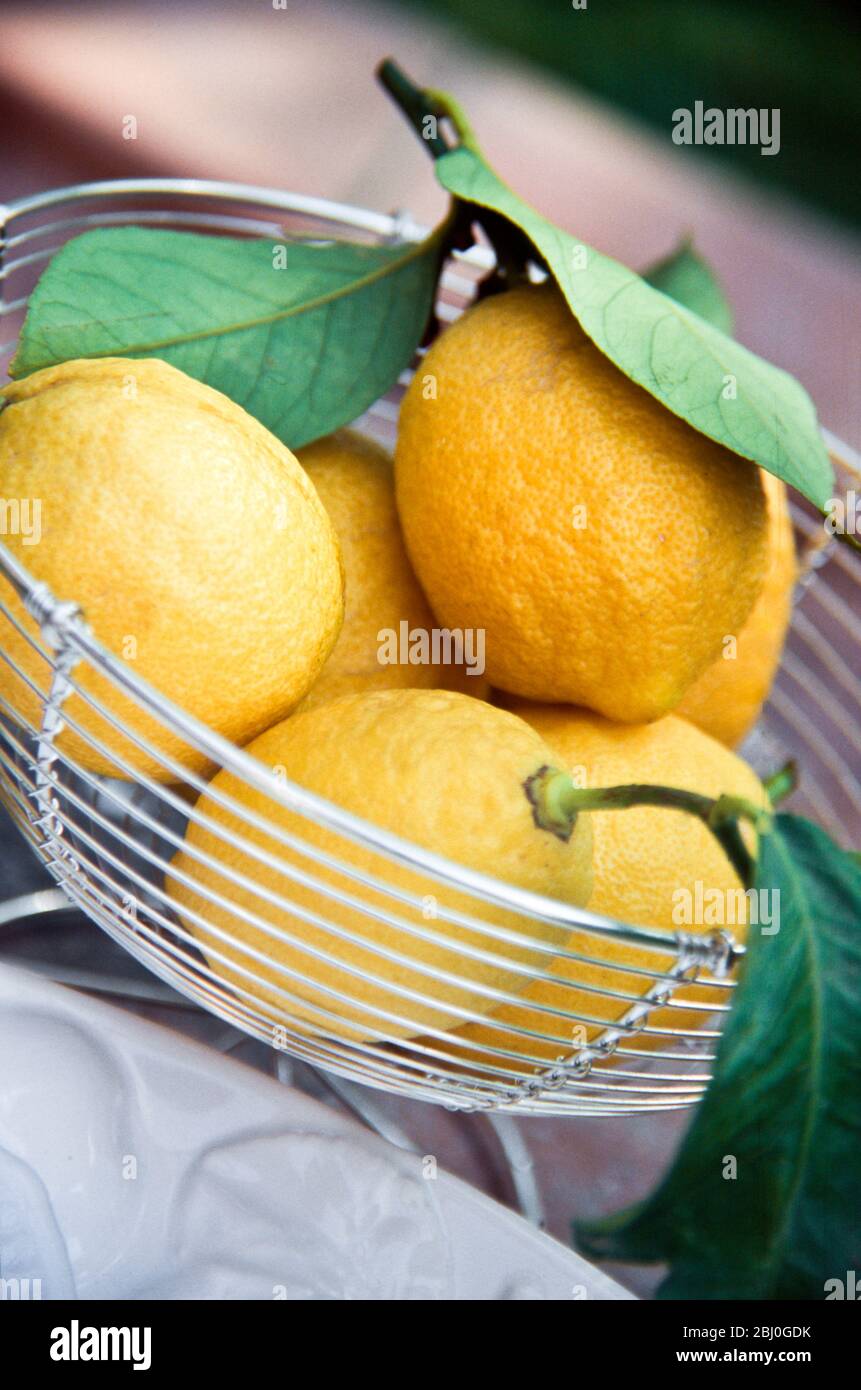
(647, 863)
(726, 699)
(386, 612)
(439, 768)
(193, 541)
(603, 544)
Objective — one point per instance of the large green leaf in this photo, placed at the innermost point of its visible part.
(690, 280)
(785, 1105)
(305, 335)
(695, 370)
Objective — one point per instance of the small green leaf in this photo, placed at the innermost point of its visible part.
(785, 1105)
(714, 383)
(688, 279)
(305, 348)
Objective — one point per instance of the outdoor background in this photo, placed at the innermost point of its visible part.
(649, 57)
(574, 108)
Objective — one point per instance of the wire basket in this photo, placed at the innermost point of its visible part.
(110, 842)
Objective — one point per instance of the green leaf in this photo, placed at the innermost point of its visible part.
(718, 386)
(785, 1103)
(305, 348)
(688, 279)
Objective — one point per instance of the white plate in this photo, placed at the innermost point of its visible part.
(136, 1164)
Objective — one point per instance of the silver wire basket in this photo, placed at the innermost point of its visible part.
(109, 843)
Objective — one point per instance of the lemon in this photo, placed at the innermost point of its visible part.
(190, 537)
(726, 699)
(603, 544)
(647, 863)
(386, 613)
(446, 772)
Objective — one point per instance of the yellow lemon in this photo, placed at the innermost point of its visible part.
(603, 544)
(726, 699)
(653, 867)
(389, 638)
(441, 769)
(190, 537)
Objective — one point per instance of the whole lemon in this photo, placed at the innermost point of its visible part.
(192, 540)
(726, 699)
(603, 544)
(441, 769)
(389, 638)
(647, 863)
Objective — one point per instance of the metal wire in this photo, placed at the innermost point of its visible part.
(111, 843)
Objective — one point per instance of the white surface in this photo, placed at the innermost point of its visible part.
(135, 1164)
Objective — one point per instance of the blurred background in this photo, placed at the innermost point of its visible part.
(648, 59)
(574, 106)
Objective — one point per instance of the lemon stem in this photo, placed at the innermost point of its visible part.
(512, 248)
(782, 782)
(415, 103)
(556, 803)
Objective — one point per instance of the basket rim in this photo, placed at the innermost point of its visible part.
(380, 223)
